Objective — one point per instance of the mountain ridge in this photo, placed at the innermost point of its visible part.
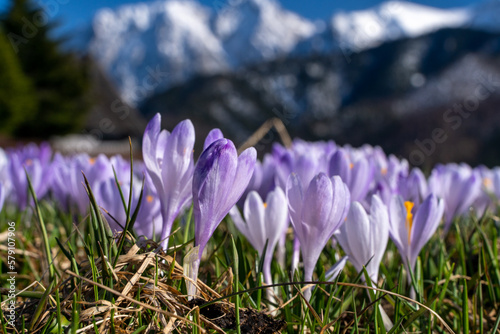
(185, 38)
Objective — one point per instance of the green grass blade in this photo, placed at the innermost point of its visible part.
(45, 238)
(236, 286)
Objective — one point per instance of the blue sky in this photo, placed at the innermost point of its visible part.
(74, 13)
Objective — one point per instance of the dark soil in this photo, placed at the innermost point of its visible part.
(251, 321)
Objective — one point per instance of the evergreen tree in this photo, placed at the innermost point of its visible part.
(59, 79)
(18, 102)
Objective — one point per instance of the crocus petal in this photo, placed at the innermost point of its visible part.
(212, 182)
(176, 172)
(379, 230)
(244, 171)
(341, 203)
(254, 215)
(360, 181)
(220, 178)
(168, 159)
(339, 165)
(239, 222)
(332, 273)
(425, 224)
(318, 201)
(212, 136)
(306, 166)
(397, 219)
(149, 144)
(356, 229)
(364, 237)
(275, 215)
(295, 197)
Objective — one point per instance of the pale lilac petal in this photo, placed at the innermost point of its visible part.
(212, 136)
(334, 271)
(212, 183)
(342, 200)
(357, 228)
(379, 230)
(361, 180)
(397, 219)
(254, 215)
(295, 197)
(149, 144)
(275, 216)
(425, 223)
(317, 207)
(220, 178)
(244, 171)
(239, 222)
(176, 172)
(306, 166)
(340, 165)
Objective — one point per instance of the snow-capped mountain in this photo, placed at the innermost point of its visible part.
(148, 47)
(392, 20)
(179, 38)
(259, 29)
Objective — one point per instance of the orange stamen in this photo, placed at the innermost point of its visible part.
(487, 182)
(409, 218)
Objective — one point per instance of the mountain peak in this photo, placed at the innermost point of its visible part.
(183, 38)
(392, 20)
(260, 29)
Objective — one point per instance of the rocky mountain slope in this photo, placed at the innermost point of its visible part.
(395, 95)
(182, 38)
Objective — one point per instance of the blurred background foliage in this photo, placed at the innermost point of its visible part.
(42, 87)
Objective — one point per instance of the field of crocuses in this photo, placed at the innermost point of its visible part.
(313, 238)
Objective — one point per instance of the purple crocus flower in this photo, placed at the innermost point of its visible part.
(254, 183)
(36, 160)
(413, 187)
(458, 185)
(68, 182)
(304, 159)
(219, 180)
(148, 220)
(484, 201)
(65, 184)
(495, 179)
(262, 179)
(363, 236)
(389, 175)
(316, 215)
(356, 174)
(169, 161)
(264, 221)
(410, 228)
